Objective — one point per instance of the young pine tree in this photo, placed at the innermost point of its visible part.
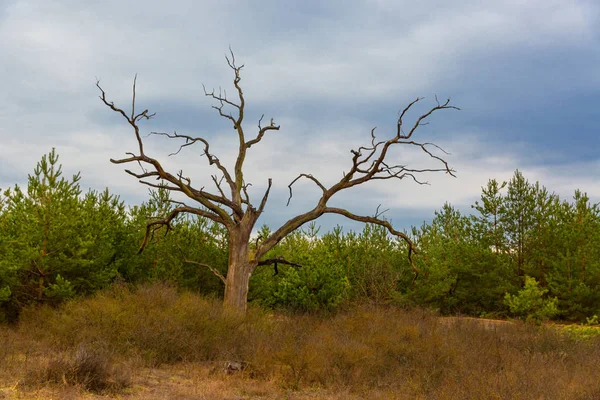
(54, 243)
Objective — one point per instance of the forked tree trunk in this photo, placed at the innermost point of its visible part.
(240, 267)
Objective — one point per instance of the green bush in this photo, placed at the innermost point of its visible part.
(581, 332)
(320, 284)
(5, 293)
(61, 290)
(530, 304)
(314, 288)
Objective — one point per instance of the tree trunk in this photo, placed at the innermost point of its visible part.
(240, 267)
(40, 295)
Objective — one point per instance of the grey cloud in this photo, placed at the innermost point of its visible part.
(326, 73)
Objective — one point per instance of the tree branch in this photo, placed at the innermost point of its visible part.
(212, 159)
(376, 221)
(212, 269)
(134, 118)
(307, 176)
(263, 202)
(238, 188)
(153, 226)
(246, 198)
(262, 131)
(277, 260)
(368, 163)
(218, 184)
(210, 201)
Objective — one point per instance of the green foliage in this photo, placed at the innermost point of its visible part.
(458, 272)
(191, 238)
(376, 264)
(518, 229)
(5, 293)
(315, 288)
(7, 274)
(103, 231)
(487, 225)
(518, 220)
(581, 332)
(61, 289)
(55, 243)
(574, 263)
(320, 284)
(530, 303)
(41, 226)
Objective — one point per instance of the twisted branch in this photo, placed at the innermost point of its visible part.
(368, 163)
(278, 260)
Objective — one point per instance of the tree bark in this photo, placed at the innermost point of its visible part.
(240, 266)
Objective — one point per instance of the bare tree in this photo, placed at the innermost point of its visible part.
(229, 204)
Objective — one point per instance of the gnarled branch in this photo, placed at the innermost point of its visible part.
(179, 183)
(263, 202)
(153, 226)
(380, 222)
(307, 176)
(278, 260)
(368, 163)
(261, 131)
(212, 159)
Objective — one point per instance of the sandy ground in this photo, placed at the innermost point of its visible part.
(190, 381)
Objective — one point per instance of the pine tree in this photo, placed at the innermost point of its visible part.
(488, 225)
(56, 244)
(542, 239)
(42, 229)
(7, 276)
(518, 220)
(574, 275)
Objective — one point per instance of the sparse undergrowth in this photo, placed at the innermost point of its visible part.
(91, 369)
(108, 343)
(581, 332)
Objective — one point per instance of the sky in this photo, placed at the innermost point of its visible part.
(526, 75)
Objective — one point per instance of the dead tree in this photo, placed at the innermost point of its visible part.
(229, 203)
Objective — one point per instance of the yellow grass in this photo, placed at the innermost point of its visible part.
(156, 343)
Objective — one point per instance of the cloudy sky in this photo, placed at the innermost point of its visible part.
(526, 75)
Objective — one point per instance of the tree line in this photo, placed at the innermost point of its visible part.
(522, 251)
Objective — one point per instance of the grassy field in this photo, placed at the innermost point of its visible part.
(156, 343)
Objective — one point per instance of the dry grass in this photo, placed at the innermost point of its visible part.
(155, 343)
